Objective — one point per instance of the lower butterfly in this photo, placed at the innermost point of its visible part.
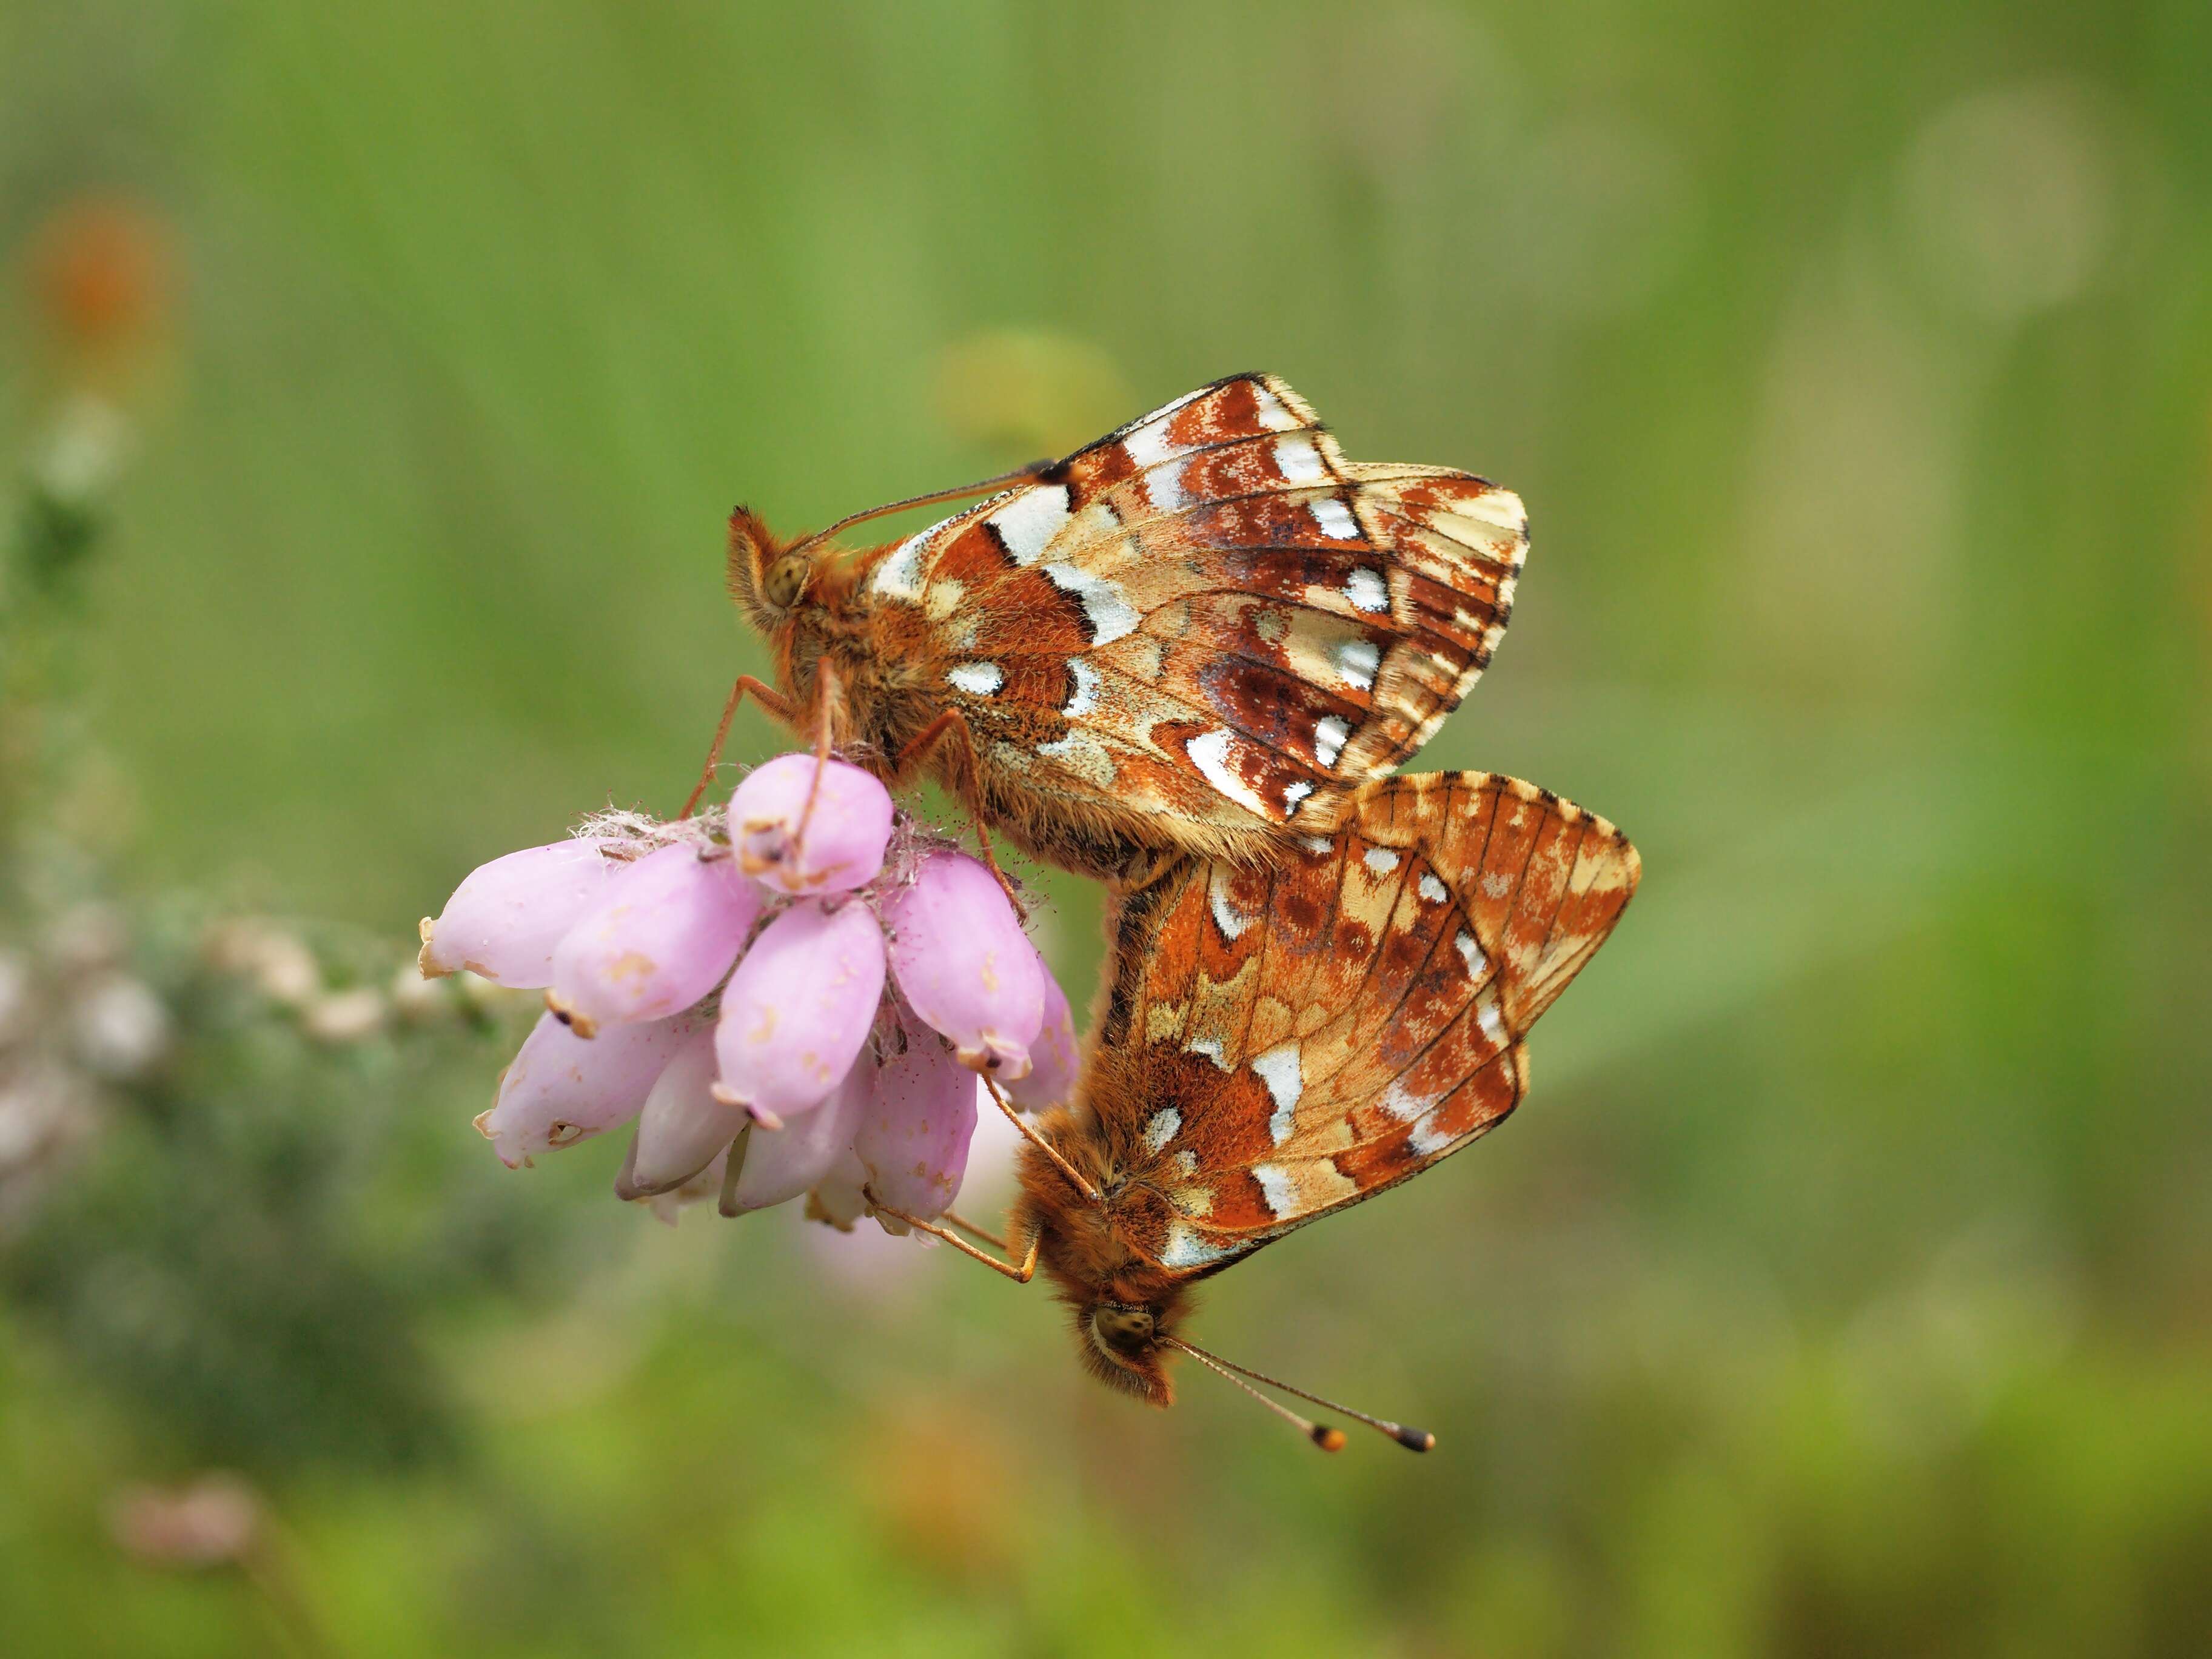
(1281, 1042)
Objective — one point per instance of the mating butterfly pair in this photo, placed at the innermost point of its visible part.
(1185, 659)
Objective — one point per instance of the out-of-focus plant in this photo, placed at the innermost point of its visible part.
(217, 1199)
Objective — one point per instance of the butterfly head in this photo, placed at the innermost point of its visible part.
(768, 579)
(1124, 1342)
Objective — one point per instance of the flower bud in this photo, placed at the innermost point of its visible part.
(682, 1125)
(844, 846)
(913, 1135)
(798, 1007)
(1053, 1057)
(964, 965)
(505, 918)
(662, 935)
(561, 1089)
(775, 1164)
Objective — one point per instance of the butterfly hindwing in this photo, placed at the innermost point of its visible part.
(1295, 1038)
(1210, 614)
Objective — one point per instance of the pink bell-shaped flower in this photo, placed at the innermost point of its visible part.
(798, 1009)
(846, 835)
(1055, 1056)
(561, 1089)
(661, 936)
(837, 1198)
(504, 920)
(964, 965)
(781, 1164)
(699, 1189)
(913, 1137)
(682, 1125)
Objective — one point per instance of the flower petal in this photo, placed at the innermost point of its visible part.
(504, 920)
(699, 1189)
(781, 1164)
(844, 846)
(561, 1089)
(661, 936)
(798, 1007)
(965, 966)
(682, 1125)
(913, 1138)
(836, 1200)
(1053, 1057)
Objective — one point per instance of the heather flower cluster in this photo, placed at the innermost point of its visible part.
(793, 995)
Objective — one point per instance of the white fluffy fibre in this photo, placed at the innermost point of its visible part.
(631, 835)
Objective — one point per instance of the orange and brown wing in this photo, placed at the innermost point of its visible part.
(1211, 613)
(1293, 1039)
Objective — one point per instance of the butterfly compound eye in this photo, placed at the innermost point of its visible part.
(785, 580)
(1122, 1327)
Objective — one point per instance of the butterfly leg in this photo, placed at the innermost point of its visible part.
(1029, 1130)
(763, 694)
(945, 726)
(826, 695)
(982, 1234)
(1020, 1275)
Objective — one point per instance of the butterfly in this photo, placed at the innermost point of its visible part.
(1198, 634)
(1281, 1042)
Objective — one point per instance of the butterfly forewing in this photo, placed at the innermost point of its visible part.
(1211, 614)
(1297, 1037)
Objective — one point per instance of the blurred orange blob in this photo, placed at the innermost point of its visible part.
(101, 275)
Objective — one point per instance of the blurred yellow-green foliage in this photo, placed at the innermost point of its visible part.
(1846, 1285)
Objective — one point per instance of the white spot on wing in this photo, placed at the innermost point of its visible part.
(1108, 608)
(1028, 523)
(1485, 1015)
(1227, 917)
(1278, 1188)
(1367, 591)
(1429, 1139)
(978, 679)
(1357, 661)
(1271, 411)
(1336, 519)
(1380, 859)
(899, 576)
(1084, 698)
(1297, 460)
(1211, 1048)
(1432, 889)
(1209, 752)
(1279, 1069)
(1081, 753)
(1165, 485)
(1329, 733)
(1185, 1249)
(1147, 441)
(1471, 953)
(1294, 796)
(1403, 1103)
(1162, 1128)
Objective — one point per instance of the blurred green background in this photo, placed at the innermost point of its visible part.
(1846, 1284)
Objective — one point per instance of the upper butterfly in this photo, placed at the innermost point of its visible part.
(1197, 634)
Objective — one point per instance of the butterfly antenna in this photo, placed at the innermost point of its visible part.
(1420, 1440)
(1328, 1439)
(1019, 475)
